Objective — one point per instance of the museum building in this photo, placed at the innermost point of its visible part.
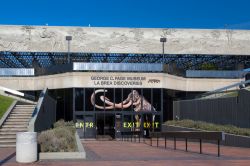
(109, 80)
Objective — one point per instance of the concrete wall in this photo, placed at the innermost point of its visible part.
(224, 110)
(44, 115)
(111, 80)
(124, 40)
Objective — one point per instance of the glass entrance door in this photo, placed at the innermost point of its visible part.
(85, 126)
(109, 125)
(105, 125)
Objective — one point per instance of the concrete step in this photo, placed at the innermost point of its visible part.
(14, 126)
(7, 141)
(19, 116)
(13, 129)
(9, 133)
(24, 116)
(16, 123)
(25, 105)
(21, 110)
(21, 113)
(12, 136)
(18, 120)
(29, 108)
(24, 110)
(8, 146)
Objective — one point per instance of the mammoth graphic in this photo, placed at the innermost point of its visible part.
(139, 103)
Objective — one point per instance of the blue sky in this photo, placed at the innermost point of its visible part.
(233, 14)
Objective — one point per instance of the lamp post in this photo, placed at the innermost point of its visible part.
(163, 40)
(68, 38)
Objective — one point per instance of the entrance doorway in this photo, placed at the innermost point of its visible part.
(105, 126)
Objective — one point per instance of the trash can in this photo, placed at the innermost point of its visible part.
(26, 147)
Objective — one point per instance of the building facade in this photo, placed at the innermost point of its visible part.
(109, 80)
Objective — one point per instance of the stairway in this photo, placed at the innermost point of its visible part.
(16, 122)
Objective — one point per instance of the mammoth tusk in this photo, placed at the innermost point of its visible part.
(125, 104)
(128, 104)
(93, 100)
(120, 105)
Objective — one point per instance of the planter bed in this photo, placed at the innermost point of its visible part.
(81, 154)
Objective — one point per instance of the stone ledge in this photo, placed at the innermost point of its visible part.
(62, 155)
(81, 154)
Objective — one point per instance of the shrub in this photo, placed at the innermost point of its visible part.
(62, 123)
(210, 127)
(59, 139)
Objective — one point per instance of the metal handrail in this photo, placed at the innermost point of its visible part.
(16, 93)
(224, 88)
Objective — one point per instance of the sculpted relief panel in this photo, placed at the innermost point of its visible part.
(124, 40)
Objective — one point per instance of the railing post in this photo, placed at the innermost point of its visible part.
(157, 141)
(186, 145)
(174, 143)
(218, 148)
(165, 142)
(200, 146)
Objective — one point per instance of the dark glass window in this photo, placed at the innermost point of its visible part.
(88, 102)
(79, 102)
(60, 97)
(68, 103)
(157, 99)
(147, 100)
(126, 99)
(118, 98)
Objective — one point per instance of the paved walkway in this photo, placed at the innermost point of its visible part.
(130, 153)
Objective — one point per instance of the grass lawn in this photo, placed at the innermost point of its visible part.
(5, 103)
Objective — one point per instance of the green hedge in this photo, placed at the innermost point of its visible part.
(59, 139)
(210, 126)
(5, 103)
